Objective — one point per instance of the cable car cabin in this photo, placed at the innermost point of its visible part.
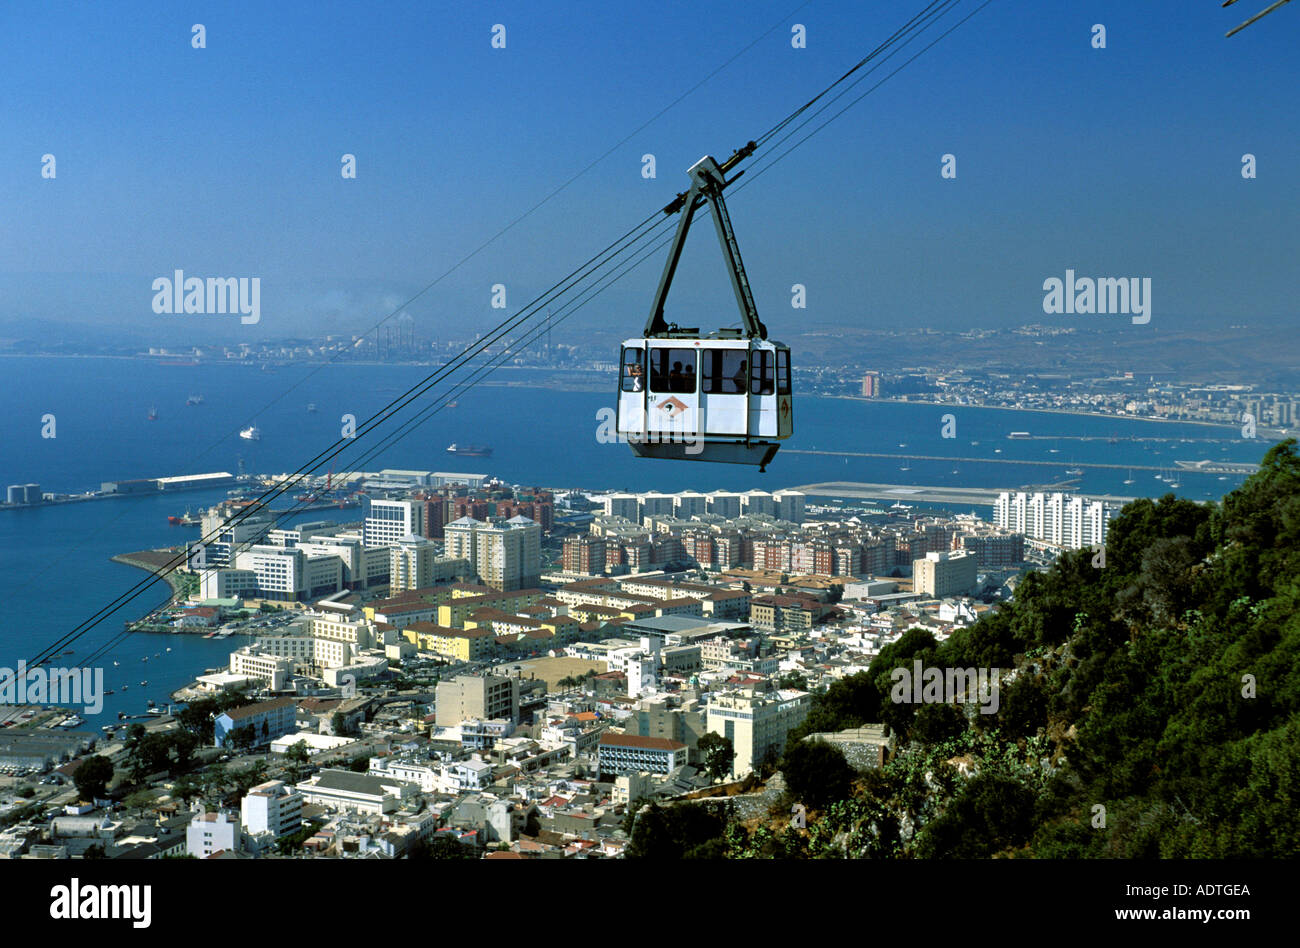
(724, 396)
(710, 399)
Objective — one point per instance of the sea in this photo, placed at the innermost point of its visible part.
(57, 558)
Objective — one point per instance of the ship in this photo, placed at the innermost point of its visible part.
(1018, 434)
(186, 519)
(251, 433)
(470, 450)
(194, 400)
(1074, 471)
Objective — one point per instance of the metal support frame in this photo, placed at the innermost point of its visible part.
(708, 179)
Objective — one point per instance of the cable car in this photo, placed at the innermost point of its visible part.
(725, 396)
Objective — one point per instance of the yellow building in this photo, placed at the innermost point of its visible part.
(468, 645)
(453, 614)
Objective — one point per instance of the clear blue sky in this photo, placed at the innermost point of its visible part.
(225, 161)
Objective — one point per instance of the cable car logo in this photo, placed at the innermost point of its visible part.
(785, 408)
(672, 407)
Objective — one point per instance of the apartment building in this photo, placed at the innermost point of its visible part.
(484, 697)
(756, 722)
(618, 754)
(272, 807)
(945, 574)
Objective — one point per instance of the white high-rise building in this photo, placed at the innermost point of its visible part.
(689, 503)
(656, 505)
(506, 554)
(756, 722)
(724, 504)
(271, 807)
(627, 506)
(210, 833)
(789, 505)
(1063, 519)
(757, 502)
(388, 521)
(411, 564)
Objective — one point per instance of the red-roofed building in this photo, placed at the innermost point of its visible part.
(618, 754)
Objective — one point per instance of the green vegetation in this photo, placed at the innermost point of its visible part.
(684, 831)
(1153, 711)
(717, 753)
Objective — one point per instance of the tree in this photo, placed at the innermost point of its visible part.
(675, 832)
(717, 753)
(442, 846)
(298, 753)
(792, 680)
(817, 774)
(242, 738)
(340, 725)
(186, 788)
(93, 777)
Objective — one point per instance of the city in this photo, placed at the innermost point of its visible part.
(516, 671)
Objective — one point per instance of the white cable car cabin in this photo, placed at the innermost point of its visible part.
(723, 397)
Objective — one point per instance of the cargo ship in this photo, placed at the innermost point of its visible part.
(186, 519)
(470, 450)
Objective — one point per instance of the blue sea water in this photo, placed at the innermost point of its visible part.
(57, 558)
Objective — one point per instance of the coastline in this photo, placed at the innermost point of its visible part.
(1261, 433)
(151, 561)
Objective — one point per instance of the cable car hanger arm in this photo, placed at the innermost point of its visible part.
(707, 183)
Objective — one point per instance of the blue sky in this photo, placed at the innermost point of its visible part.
(225, 161)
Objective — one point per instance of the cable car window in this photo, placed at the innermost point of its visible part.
(633, 375)
(672, 370)
(725, 371)
(761, 380)
(782, 372)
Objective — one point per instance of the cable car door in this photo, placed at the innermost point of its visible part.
(673, 404)
(631, 392)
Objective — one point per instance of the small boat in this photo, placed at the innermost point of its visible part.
(1129, 479)
(110, 691)
(144, 684)
(1074, 471)
(470, 450)
(194, 400)
(115, 663)
(1223, 477)
(997, 450)
(251, 433)
(68, 652)
(451, 404)
(153, 414)
(312, 408)
(169, 648)
(1053, 450)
